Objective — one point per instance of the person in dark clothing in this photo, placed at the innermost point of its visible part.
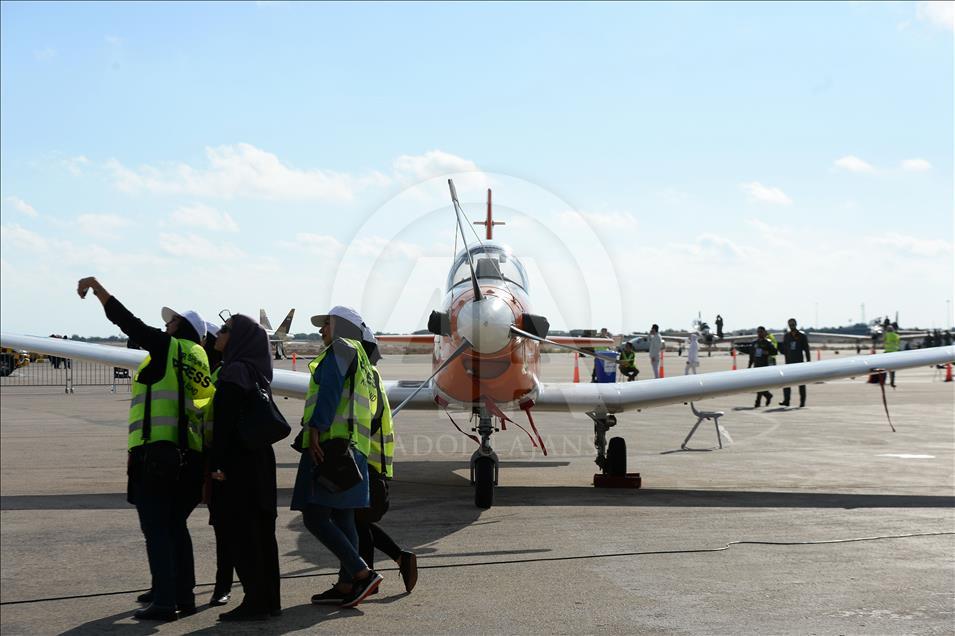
(55, 360)
(719, 326)
(67, 362)
(247, 500)
(164, 476)
(759, 355)
(795, 348)
(224, 566)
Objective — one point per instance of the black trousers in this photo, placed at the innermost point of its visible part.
(224, 563)
(371, 536)
(255, 553)
(163, 512)
(763, 394)
(630, 372)
(802, 394)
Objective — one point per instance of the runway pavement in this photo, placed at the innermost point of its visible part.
(816, 520)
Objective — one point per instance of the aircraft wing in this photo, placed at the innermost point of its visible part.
(560, 396)
(627, 396)
(408, 339)
(573, 341)
(846, 336)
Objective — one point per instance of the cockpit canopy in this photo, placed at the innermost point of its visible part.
(490, 262)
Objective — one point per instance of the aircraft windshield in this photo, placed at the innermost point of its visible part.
(490, 261)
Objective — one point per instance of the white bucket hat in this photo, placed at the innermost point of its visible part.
(190, 316)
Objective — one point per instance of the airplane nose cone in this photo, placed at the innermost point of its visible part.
(486, 324)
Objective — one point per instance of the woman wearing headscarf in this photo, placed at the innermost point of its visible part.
(224, 566)
(245, 497)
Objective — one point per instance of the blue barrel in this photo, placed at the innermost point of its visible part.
(606, 370)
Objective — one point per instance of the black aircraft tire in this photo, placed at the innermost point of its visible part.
(484, 483)
(617, 457)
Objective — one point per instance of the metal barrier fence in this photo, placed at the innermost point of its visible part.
(67, 373)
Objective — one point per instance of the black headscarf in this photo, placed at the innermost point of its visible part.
(215, 358)
(247, 359)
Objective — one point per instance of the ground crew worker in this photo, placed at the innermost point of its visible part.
(336, 428)
(892, 344)
(760, 352)
(795, 347)
(772, 339)
(165, 444)
(628, 362)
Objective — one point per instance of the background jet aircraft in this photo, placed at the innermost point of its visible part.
(487, 359)
(279, 336)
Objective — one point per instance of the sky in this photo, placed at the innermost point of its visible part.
(650, 161)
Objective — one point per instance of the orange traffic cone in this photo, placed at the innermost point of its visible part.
(733, 353)
(818, 354)
(948, 371)
(293, 362)
(661, 361)
(576, 367)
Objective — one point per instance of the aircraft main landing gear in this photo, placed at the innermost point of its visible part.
(612, 456)
(484, 463)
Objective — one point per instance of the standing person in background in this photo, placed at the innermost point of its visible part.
(759, 356)
(892, 342)
(795, 349)
(719, 327)
(655, 343)
(165, 447)
(692, 355)
(55, 360)
(224, 565)
(67, 362)
(247, 499)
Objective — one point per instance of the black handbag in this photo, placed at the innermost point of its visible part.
(338, 471)
(261, 424)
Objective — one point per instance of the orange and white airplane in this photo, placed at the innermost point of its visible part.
(486, 362)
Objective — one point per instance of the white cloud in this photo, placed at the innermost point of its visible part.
(45, 55)
(75, 165)
(197, 247)
(912, 246)
(240, 170)
(766, 194)
(16, 237)
(939, 13)
(22, 206)
(916, 165)
(321, 244)
(717, 248)
(204, 216)
(114, 40)
(854, 164)
(433, 163)
(105, 226)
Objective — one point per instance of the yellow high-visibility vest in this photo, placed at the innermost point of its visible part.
(356, 406)
(163, 397)
(382, 454)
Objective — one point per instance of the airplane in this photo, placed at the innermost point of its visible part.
(279, 336)
(705, 337)
(486, 363)
(876, 330)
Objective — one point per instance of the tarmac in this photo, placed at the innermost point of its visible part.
(812, 521)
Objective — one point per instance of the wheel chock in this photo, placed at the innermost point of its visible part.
(630, 480)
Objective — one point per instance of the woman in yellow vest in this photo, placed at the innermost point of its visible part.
(337, 419)
(165, 445)
(245, 498)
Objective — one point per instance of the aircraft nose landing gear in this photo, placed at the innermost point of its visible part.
(484, 463)
(612, 456)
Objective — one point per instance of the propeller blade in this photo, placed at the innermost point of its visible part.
(457, 352)
(457, 215)
(592, 354)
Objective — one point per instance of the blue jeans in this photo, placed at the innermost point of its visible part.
(336, 530)
(162, 517)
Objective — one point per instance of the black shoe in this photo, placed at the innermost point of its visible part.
(784, 404)
(156, 613)
(362, 589)
(145, 597)
(219, 598)
(802, 405)
(408, 566)
(756, 406)
(275, 612)
(332, 596)
(244, 614)
(769, 398)
(186, 610)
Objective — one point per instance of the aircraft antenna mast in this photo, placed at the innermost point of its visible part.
(489, 223)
